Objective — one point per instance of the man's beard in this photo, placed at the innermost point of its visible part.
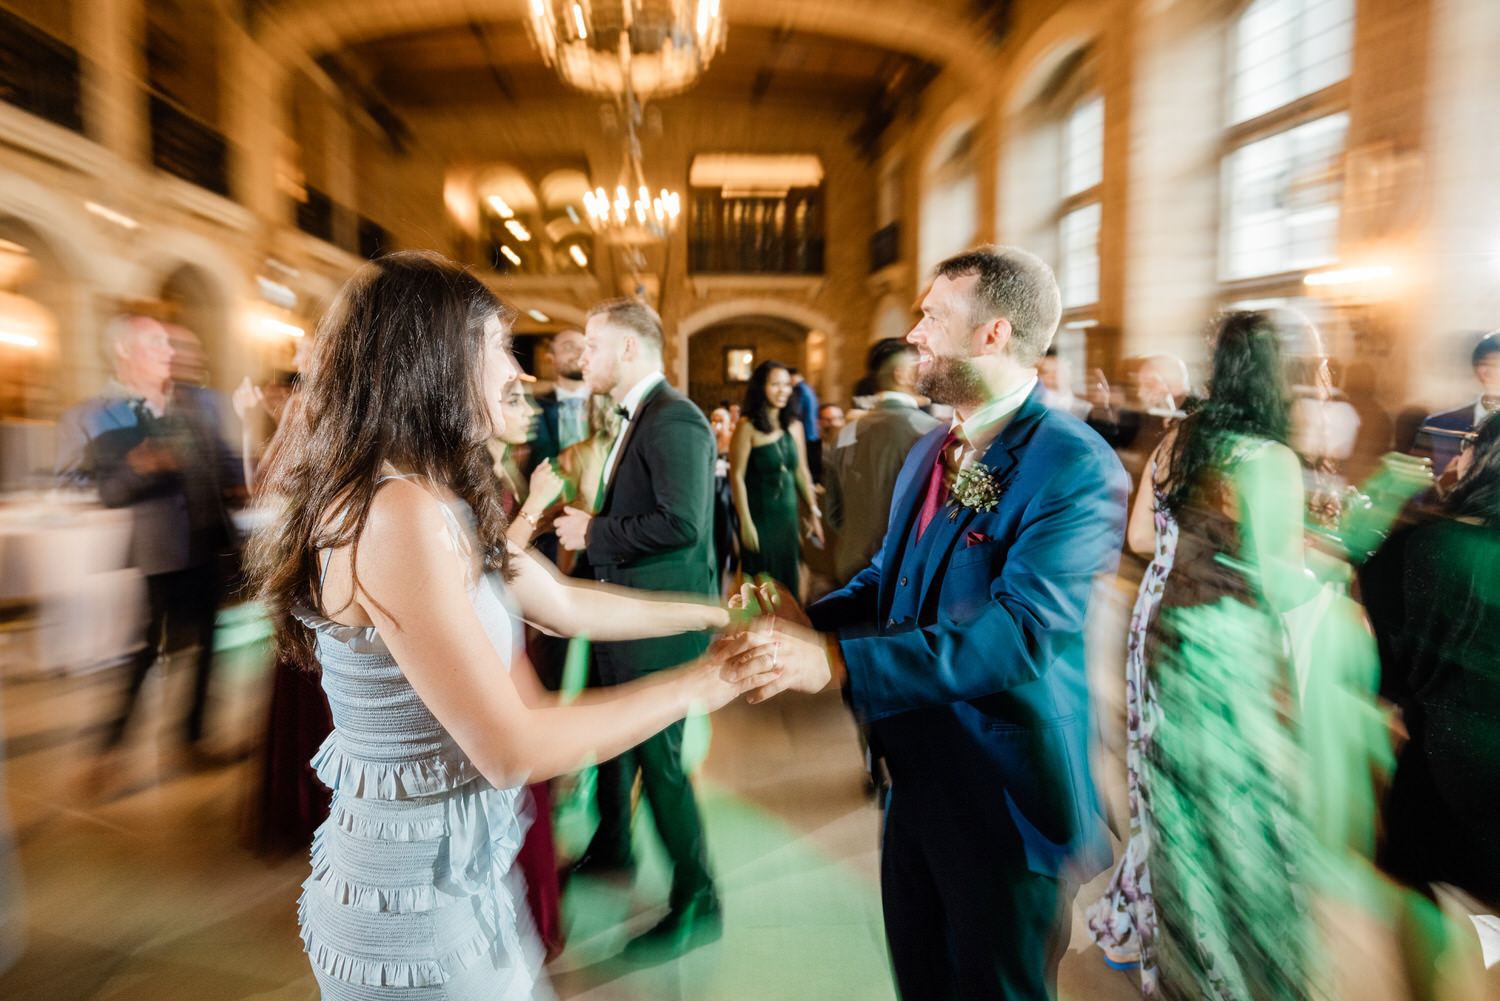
(573, 372)
(955, 382)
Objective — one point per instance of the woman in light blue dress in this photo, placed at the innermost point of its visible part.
(389, 573)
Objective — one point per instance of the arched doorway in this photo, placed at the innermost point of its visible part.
(197, 303)
(34, 291)
(722, 355)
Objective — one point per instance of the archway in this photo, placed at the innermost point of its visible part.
(198, 304)
(818, 335)
(35, 292)
(721, 356)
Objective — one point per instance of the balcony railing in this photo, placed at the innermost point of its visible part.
(885, 247)
(753, 235)
(183, 146)
(40, 74)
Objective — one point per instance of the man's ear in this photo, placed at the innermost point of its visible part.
(630, 347)
(994, 336)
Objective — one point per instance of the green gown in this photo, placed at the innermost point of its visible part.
(771, 491)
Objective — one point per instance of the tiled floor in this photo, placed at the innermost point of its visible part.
(148, 892)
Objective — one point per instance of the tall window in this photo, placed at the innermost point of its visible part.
(1082, 185)
(1283, 171)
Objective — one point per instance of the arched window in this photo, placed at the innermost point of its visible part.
(950, 200)
(1082, 158)
(1283, 169)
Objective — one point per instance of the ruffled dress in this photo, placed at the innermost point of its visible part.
(413, 892)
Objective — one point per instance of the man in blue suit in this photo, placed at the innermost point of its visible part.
(962, 646)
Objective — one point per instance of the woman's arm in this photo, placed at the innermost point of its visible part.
(739, 455)
(412, 587)
(1269, 486)
(566, 606)
(1140, 531)
(804, 478)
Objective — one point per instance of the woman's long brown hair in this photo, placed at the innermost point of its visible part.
(396, 378)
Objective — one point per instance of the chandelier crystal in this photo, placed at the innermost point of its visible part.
(648, 48)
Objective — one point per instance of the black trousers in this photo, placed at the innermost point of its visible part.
(182, 605)
(966, 920)
(674, 808)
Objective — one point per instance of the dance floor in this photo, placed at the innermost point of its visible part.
(148, 891)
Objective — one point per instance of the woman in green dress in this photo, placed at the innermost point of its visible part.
(767, 471)
(1230, 848)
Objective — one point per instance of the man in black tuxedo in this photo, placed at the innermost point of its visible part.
(654, 531)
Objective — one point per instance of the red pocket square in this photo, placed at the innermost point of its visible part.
(975, 538)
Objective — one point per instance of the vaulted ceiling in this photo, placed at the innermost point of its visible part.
(860, 56)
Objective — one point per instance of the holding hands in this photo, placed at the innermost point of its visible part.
(778, 650)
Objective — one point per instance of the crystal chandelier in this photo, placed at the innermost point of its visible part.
(631, 51)
(648, 48)
(634, 215)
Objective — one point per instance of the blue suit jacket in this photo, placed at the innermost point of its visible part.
(965, 648)
(1442, 435)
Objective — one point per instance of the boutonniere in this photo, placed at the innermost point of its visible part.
(977, 486)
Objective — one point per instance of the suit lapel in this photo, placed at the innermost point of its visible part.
(1000, 459)
(642, 413)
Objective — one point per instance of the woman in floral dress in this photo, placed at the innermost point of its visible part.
(1122, 921)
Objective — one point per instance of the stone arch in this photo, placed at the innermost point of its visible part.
(53, 228)
(208, 287)
(804, 318)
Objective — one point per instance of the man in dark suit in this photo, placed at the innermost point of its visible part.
(962, 646)
(1442, 434)
(861, 474)
(654, 530)
(564, 416)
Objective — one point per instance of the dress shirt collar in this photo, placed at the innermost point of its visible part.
(632, 400)
(563, 393)
(1480, 414)
(985, 424)
(897, 397)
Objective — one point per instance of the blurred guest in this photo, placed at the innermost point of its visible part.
(804, 407)
(723, 428)
(767, 469)
(1434, 599)
(145, 445)
(563, 418)
(1056, 373)
(830, 423)
(726, 522)
(1218, 724)
(862, 474)
(1441, 435)
(292, 801)
(524, 500)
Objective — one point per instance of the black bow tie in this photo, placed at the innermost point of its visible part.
(624, 414)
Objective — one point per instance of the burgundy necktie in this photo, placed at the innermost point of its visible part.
(936, 492)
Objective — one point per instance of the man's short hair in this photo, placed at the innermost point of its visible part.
(1488, 345)
(636, 317)
(883, 357)
(1014, 284)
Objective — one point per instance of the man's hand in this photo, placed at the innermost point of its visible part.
(572, 528)
(794, 657)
